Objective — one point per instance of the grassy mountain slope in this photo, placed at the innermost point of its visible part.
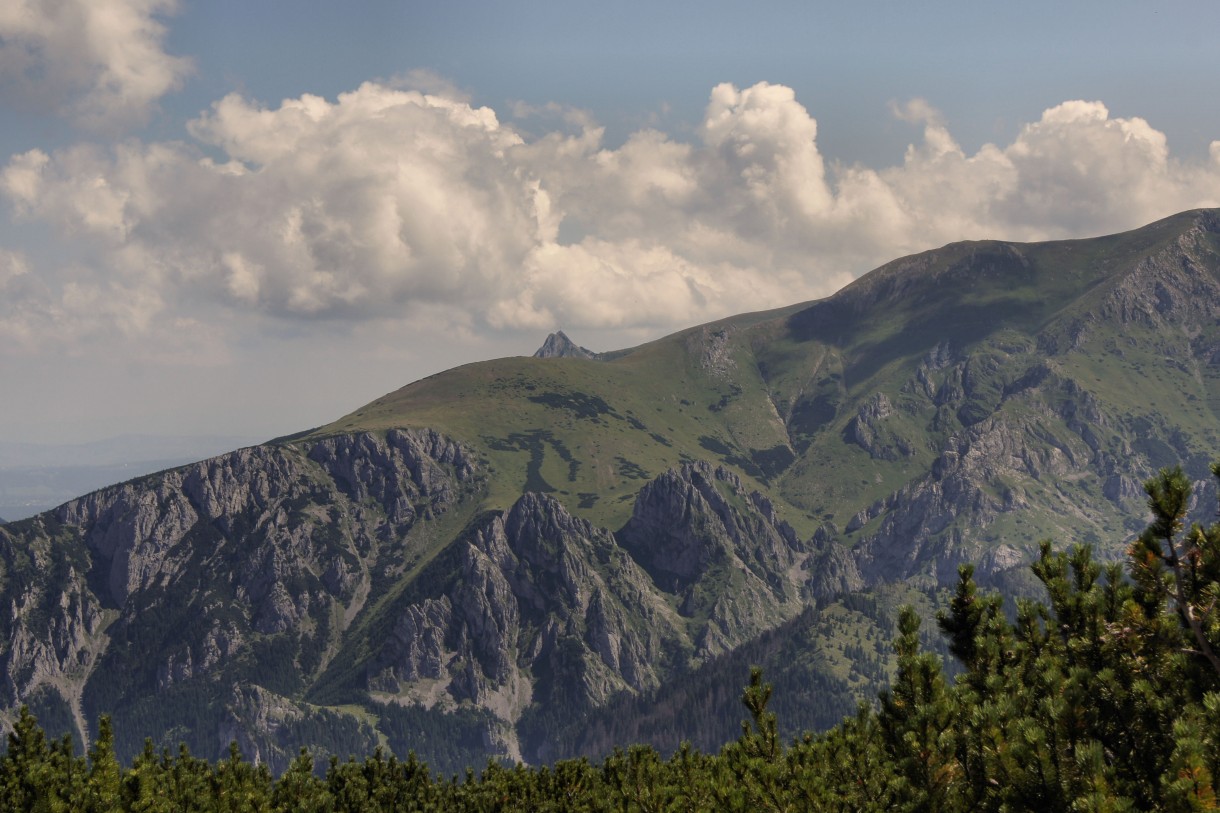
(1063, 354)
(591, 432)
(532, 557)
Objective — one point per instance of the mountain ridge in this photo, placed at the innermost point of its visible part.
(558, 345)
(495, 553)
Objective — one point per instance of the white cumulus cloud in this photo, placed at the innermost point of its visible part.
(388, 202)
(101, 62)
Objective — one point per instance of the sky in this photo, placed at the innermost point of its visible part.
(250, 218)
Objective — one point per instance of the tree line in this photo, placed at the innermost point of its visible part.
(1103, 697)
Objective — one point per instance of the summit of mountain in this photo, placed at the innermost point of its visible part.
(558, 345)
(500, 558)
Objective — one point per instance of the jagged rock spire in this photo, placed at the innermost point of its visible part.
(558, 345)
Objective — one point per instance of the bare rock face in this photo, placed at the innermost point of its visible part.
(871, 431)
(267, 726)
(218, 644)
(541, 609)
(919, 527)
(399, 472)
(245, 571)
(558, 345)
(713, 348)
(685, 520)
(1121, 487)
(233, 568)
(832, 569)
(53, 632)
(1171, 288)
(541, 605)
(417, 647)
(1009, 431)
(721, 550)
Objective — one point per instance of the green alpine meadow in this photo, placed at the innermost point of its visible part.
(573, 561)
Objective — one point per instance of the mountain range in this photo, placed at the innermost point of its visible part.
(531, 558)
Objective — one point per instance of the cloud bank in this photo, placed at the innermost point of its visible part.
(99, 62)
(387, 203)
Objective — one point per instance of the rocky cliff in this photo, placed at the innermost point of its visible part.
(246, 568)
(237, 589)
(558, 345)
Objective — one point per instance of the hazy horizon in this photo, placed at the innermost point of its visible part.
(237, 219)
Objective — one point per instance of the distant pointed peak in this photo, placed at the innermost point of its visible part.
(558, 345)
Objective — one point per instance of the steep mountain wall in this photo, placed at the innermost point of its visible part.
(220, 600)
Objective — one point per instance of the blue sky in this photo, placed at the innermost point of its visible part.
(988, 67)
(251, 217)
